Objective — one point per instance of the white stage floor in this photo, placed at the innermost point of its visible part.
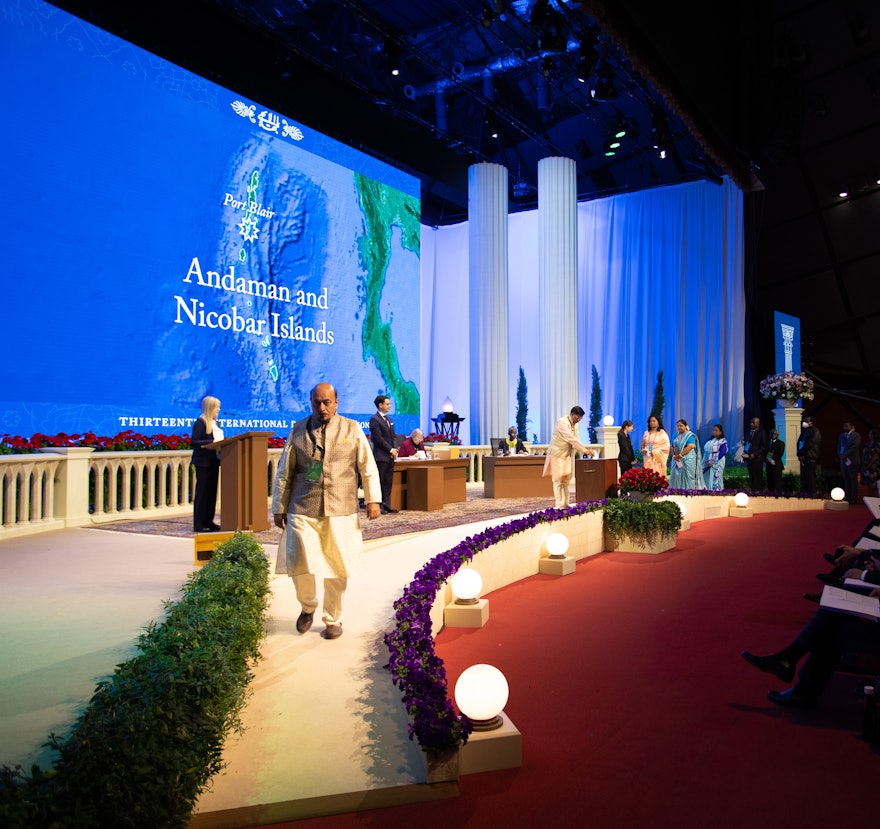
(325, 730)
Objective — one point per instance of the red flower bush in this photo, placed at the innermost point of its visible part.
(436, 437)
(642, 480)
(127, 441)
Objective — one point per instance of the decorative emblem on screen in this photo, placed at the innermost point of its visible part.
(268, 121)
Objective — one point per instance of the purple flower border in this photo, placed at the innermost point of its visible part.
(415, 668)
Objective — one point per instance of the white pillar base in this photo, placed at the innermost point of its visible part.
(837, 506)
(741, 512)
(556, 566)
(492, 750)
(466, 615)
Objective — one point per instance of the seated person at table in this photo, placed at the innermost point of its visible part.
(412, 445)
(512, 445)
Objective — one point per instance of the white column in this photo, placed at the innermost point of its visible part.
(487, 248)
(557, 278)
(788, 424)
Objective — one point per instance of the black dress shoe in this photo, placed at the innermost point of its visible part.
(215, 527)
(813, 597)
(780, 668)
(829, 578)
(830, 558)
(792, 699)
(389, 511)
(304, 622)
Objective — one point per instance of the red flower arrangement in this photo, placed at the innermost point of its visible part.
(436, 437)
(127, 441)
(642, 480)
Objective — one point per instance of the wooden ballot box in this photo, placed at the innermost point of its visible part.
(595, 478)
(244, 481)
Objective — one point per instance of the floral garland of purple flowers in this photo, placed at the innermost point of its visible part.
(415, 668)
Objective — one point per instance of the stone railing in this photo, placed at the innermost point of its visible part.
(67, 487)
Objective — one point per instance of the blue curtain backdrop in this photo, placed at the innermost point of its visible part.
(660, 287)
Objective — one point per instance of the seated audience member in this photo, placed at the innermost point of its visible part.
(512, 445)
(412, 445)
(823, 640)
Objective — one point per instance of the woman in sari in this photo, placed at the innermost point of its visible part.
(686, 472)
(655, 446)
(715, 459)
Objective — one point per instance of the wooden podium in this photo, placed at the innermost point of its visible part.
(595, 478)
(244, 481)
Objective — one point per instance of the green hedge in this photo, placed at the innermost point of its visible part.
(152, 735)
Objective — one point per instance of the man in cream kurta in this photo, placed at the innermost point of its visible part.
(559, 464)
(315, 500)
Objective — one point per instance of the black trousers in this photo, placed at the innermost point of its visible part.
(774, 476)
(205, 498)
(386, 479)
(826, 637)
(808, 476)
(756, 475)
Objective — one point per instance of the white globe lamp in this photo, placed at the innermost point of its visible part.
(466, 585)
(741, 499)
(608, 420)
(837, 494)
(481, 694)
(557, 545)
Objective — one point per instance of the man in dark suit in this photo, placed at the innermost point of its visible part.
(384, 451)
(626, 457)
(808, 446)
(849, 450)
(754, 450)
(775, 451)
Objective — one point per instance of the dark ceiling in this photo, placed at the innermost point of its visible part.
(781, 95)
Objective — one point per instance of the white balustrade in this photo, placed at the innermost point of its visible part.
(74, 487)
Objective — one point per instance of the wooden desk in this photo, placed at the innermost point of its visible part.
(595, 479)
(516, 476)
(428, 485)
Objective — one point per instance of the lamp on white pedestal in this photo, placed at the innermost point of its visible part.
(557, 545)
(466, 585)
(682, 508)
(481, 694)
(608, 420)
(741, 508)
(837, 502)
(556, 562)
(467, 609)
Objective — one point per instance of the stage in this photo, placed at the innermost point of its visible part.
(325, 730)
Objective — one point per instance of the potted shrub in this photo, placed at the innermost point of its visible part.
(635, 527)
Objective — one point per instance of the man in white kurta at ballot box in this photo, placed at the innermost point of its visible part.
(565, 442)
(315, 502)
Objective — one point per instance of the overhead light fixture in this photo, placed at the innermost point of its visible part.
(604, 90)
(546, 67)
(392, 51)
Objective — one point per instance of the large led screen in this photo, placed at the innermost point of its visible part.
(168, 239)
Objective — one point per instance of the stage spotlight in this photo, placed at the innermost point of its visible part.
(604, 90)
(392, 52)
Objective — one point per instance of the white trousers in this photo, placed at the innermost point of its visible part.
(562, 491)
(329, 549)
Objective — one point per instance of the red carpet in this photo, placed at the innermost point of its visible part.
(635, 706)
